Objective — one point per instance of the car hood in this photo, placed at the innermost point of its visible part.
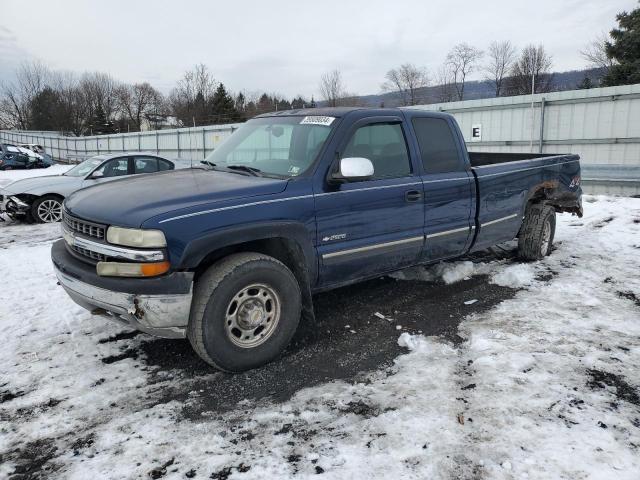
(129, 202)
(28, 185)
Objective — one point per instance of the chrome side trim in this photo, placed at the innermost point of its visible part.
(373, 247)
(497, 220)
(538, 159)
(112, 250)
(383, 187)
(449, 232)
(447, 179)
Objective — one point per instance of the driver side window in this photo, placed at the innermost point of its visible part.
(385, 146)
(114, 168)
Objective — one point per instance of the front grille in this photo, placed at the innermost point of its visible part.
(83, 227)
(98, 257)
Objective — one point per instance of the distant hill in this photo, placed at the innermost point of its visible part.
(481, 89)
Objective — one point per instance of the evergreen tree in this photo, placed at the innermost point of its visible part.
(223, 106)
(265, 104)
(625, 49)
(46, 109)
(100, 124)
(585, 84)
(298, 102)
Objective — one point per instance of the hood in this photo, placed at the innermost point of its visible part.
(130, 201)
(27, 185)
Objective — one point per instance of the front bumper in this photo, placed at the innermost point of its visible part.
(160, 307)
(12, 205)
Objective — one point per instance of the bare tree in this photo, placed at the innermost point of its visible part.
(533, 66)
(595, 52)
(445, 89)
(501, 58)
(191, 99)
(100, 91)
(332, 89)
(407, 80)
(462, 60)
(17, 96)
(136, 101)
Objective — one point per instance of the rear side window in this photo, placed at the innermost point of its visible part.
(145, 165)
(438, 147)
(162, 165)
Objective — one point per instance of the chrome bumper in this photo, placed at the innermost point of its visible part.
(164, 316)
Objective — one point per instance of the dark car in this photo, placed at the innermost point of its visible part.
(13, 157)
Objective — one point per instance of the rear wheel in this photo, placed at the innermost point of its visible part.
(245, 310)
(47, 209)
(536, 234)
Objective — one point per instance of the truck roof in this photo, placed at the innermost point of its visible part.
(323, 111)
(342, 111)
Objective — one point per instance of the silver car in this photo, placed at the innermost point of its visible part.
(40, 198)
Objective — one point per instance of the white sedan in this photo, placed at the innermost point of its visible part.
(40, 198)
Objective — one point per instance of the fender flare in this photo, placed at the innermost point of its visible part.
(197, 250)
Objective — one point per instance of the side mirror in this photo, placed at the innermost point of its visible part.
(353, 169)
(97, 174)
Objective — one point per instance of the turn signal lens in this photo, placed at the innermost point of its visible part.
(115, 269)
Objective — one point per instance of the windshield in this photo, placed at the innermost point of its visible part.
(83, 168)
(274, 146)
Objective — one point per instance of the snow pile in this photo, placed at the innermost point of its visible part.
(545, 385)
(515, 276)
(448, 272)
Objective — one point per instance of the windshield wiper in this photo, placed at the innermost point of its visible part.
(243, 169)
(256, 172)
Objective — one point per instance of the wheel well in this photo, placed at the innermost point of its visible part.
(283, 249)
(549, 193)
(29, 197)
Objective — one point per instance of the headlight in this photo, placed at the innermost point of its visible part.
(133, 237)
(115, 269)
(18, 202)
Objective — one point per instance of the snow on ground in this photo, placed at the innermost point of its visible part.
(6, 177)
(545, 385)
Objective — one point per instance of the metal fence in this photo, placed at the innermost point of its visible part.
(602, 125)
(181, 143)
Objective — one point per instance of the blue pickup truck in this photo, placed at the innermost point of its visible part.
(229, 255)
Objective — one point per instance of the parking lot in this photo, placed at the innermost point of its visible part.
(480, 367)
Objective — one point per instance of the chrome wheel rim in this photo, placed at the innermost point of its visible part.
(252, 315)
(50, 211)
(546, 237)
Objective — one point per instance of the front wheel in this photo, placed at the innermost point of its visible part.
(245, 311)
(537, 232)
(47, 209)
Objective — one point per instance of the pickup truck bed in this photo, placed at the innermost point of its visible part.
(502, 180)
(293, 203)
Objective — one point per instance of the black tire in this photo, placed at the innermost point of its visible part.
(38, 214)
(536, 234)
(209, 330)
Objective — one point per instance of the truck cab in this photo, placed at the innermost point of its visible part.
(229, 255)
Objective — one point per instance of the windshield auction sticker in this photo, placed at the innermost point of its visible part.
(317, 120)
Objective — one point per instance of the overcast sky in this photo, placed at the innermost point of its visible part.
(284, 46)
